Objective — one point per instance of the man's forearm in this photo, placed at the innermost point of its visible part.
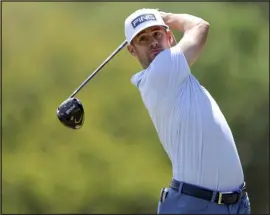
(182, 22)
(195, 32)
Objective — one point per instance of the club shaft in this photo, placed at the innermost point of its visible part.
(98, 69)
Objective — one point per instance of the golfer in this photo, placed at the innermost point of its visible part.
(207, 175)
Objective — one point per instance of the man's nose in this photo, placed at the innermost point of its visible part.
(153, 42)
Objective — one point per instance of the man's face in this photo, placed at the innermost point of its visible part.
(149, 43)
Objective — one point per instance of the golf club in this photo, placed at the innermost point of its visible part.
(71, 111)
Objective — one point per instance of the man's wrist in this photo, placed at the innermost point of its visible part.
(181, 22)
(165, 16)
(168, 18)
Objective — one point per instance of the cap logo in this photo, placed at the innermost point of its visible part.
(142, 18)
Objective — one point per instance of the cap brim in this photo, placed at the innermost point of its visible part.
(146, 26)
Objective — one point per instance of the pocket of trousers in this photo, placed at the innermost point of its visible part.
(163, 194)
(167, 193)
(169, 200)
(245, 207)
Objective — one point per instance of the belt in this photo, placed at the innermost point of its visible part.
(219, 198)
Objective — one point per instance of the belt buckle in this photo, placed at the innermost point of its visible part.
(220, 198)
(220, 194)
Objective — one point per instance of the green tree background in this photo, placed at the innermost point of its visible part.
(115, 163)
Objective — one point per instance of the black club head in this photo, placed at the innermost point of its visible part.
(71, 113)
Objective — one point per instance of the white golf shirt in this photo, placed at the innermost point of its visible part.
(189, 123)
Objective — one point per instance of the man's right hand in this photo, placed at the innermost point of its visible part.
(195, 32)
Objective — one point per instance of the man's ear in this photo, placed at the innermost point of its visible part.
(131, 50)
(172, 39)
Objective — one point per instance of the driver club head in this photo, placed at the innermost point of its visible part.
(71, 113)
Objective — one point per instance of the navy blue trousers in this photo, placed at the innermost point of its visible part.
(179, 203)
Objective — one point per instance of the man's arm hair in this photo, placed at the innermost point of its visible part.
(195, 31)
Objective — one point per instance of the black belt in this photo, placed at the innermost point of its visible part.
(220, 198)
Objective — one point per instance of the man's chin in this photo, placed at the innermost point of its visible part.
(154, 55)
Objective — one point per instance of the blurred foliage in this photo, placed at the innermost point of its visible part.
(115, 163)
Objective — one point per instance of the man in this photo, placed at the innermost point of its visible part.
(207, 172)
